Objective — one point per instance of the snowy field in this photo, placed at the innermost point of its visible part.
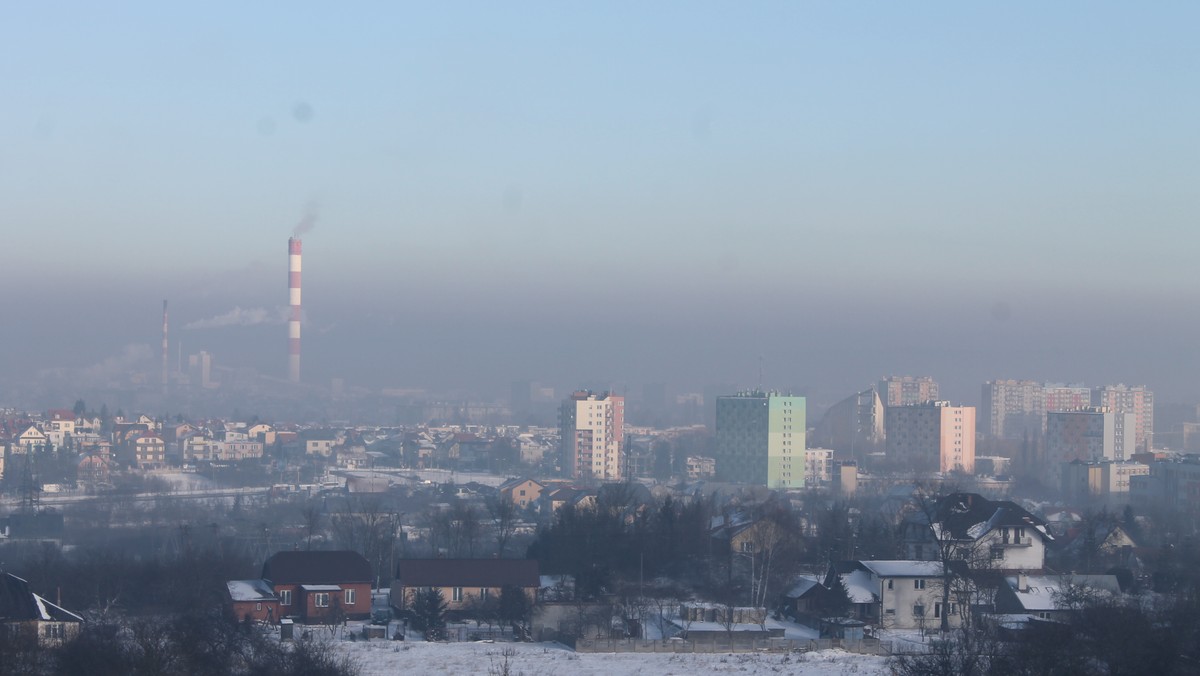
(377, 658)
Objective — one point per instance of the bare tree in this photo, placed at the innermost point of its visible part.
(504, 521)
(312, 522)
(367, 528)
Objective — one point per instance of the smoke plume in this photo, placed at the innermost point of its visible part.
(308, 221)
(242, 317)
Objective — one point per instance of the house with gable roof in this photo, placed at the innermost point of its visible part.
(1050, 597)
(463, 581)
(898, 594)
(990, 534)
(25, 614)
(315, 585)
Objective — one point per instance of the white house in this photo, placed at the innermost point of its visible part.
(898, 594)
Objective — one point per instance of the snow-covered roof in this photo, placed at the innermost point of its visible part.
(859, 586)
(904, 568)
(320, 587)
(49, 611)
(1042, 592)
(249, 590)
(801, 586)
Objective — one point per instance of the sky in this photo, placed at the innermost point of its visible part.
(618, 191)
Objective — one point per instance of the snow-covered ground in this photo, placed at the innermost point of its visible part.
(376, 658)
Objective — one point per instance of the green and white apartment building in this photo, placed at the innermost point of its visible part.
(761, 439)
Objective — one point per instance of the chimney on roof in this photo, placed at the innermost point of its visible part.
(1022, 582)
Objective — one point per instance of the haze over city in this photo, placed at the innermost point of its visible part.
(623, 194)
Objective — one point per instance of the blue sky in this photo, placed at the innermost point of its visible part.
(653, 161)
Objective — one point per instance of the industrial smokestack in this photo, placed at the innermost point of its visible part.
(164, 349)
(294, 304)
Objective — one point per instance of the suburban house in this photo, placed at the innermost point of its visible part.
(1048, 597)
(521, 492)
(897, 594)
(578, 498)
(320, 442)
(992, 534)
(31, 439)
(149, 452)
(253, 600)
(316, 586)
(463, 582)
(26, 615)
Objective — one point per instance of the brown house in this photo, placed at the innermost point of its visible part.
(463, 581)
(253, 600)
(317, 586)
(25, 615)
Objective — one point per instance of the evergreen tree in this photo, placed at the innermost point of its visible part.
(429, 614)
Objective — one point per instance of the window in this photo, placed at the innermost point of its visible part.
(53, 631)
(457, 594)
(258, 606)
(285, 597)
(483, 594)
(349, 597)
(918, 611)
(918, 584)
(890, 584)
(321, 600)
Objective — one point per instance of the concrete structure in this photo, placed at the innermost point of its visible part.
(1060, 397)
(1013, 409)
(1136, 400)
(1100, 480)
(1171, 485)
(854, 425)
(932, 437)
(818, 466)
(1088, 434)
(591, 436)
(200, 370)
(761, 439)
(294, 307)
(907, 390)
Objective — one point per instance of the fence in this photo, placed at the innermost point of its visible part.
(728, 645)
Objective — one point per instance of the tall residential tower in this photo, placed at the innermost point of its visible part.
(591, 433)
(761, 439)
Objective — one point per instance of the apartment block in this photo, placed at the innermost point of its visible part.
(1088, 434)
(932, 437)
(591, 433)
(1136, 400)
(761, 439)
(907, 390)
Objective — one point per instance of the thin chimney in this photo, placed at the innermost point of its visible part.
(294, 304)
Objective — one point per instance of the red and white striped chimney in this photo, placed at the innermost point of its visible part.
(294, 303)
(164, 349)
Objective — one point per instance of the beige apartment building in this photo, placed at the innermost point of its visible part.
(932, 437)
(591, 432)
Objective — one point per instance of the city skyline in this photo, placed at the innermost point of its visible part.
(969, 193)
